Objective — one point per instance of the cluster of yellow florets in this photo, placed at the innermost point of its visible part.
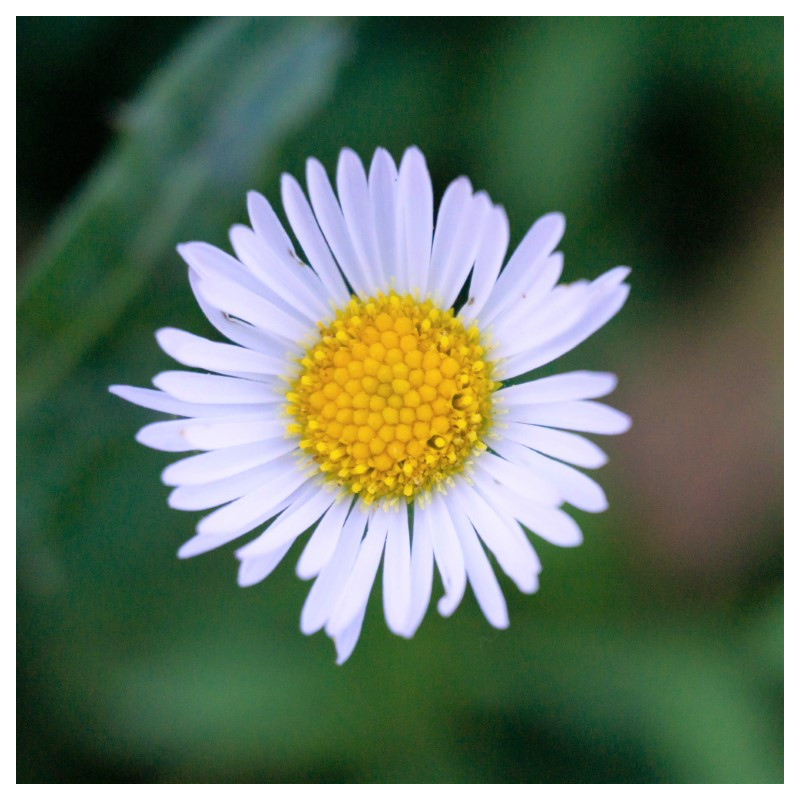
(393, 397)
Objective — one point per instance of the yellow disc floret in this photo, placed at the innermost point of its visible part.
(392, 398)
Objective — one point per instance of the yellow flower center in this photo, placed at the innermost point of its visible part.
(393, 397)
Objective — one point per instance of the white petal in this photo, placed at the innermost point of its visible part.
(512, 550)
(607, 304)
(197, 387)
(223, 463)
(160, 401)
(421, 572)
(239, 331)
(268, 227)
(208, 262)
(206, 540)
(281, 279)
(327, 588)
(322, 543)
(453, 208)
(255, 570)
(207, 434)
(551, 524)
(311, 239)
(383, 197)
(479, 571)
(351, 181)
(567, 386)
(526, 271)
(195, 351)
(466, 249)
(562, 445)
(415, 199)
(330, 219)
(397, 572)
(579, 415)
(295, 520)
(346, 641)
(519, 478)
(492, 251)
(354, 596)
(258, 506)
(237, 301)
(447, 551)
(575, 487)
(200, 496)
(167, 436)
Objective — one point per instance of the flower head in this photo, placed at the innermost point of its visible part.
(359, 397)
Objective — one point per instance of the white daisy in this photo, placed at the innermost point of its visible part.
(356, 400)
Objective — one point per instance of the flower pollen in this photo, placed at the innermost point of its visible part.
(392, 398)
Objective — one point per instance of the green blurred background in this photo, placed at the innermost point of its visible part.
(654, 652)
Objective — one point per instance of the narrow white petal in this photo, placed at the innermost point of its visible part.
(581, 385)
(167, 436)
(519, 478)
(255, 570)
(397, 572)
(207, 434)
(351, 181)
(514, 553)
(354, 596)
(383, 197)
(197, 497)
(268, 227)
(211, 262)
(297, 519)
(606, 305)
(258, 506)
(526, 271)
(241, 332)
(479, 571)
(551, 524)
(421, 571)
(161, 401)
(587, 416)
(447, 552)
(323, 540)
(197, 387)
(561, 445)
(466, 250)
(281, 279)
(206, 540)
(311, 239)
(452, 210)
(415, 196)
(330, 219)
(491, 252)
(575, 487)
(327, 588)
(346, 641)
(237, 301)
(195, 351)
(217, 464)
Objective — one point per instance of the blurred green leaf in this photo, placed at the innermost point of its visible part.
(203, 127)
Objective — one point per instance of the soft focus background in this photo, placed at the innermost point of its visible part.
(654, 652)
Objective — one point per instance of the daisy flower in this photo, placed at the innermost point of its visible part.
(373, 391)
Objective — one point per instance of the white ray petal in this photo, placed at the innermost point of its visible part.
(397, 572)
(491, 252)
(453, 208)
(351, 182)
(161, 401)
(447, 552)
(580, 385)
(421, 572)
(327, 588)
(323, 540)
(254, 570)
(346, 641)
(198, 387)
(214, 434)
(415, 200)
(479, 571)
(195, 351)
(519, 478)
(307, 231)
(383, 197)
(357, 588)
(552, 442)
(587, 416)
(331, 221)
